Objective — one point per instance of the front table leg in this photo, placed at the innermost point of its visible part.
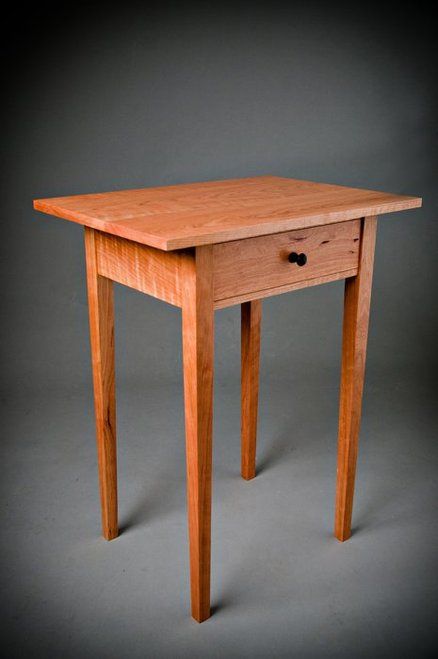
(100, 305)
(355, 332)
(198, 343)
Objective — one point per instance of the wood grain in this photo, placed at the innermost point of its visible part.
(278, 290)
(101, 313)
(198, 344)
(144, 268)
(257, 264)
(251, 315)
(161, 274)
(180, 216)
(355, 333)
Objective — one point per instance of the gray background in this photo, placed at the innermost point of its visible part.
(101, 99)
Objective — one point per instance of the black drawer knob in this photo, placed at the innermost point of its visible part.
(299, 259)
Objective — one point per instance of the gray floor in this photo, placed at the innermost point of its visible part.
(281, 584)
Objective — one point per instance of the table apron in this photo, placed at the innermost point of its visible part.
(243, 270)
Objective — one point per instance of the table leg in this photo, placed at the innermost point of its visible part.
(198, 344)
(355, 333)
(101, 313)
(251, 313)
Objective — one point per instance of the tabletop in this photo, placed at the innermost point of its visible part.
(181, 216)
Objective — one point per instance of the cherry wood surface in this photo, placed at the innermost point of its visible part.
(149, 270)
(258, 264)
(251, 316)
(179, 216)
(354, 344)
(198, 346)
(101, 313)
(243, 270)
(286, 288)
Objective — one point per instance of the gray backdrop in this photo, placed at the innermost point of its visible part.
(102, 99)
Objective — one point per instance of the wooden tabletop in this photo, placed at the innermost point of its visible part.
(179, 216)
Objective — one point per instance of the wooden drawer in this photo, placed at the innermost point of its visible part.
(258, 267)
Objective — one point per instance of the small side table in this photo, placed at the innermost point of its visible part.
(206, 246)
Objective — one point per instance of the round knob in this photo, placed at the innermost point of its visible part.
(299, 259)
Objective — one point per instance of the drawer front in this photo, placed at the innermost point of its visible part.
(260, 264)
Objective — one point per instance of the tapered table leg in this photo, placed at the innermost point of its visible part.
(251, 313)
(198, 343)
(100, 304)
(355, 333)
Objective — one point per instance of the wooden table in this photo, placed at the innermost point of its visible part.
(205, 246)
